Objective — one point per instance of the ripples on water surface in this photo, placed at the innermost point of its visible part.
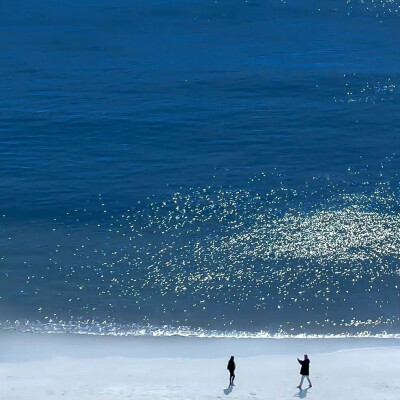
(201, 168)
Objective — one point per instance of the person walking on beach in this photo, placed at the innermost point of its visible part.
(305, 371)
(231, 368)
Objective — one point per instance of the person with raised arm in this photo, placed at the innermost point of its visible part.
(305, 371)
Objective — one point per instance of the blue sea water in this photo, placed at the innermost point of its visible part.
(212, 168)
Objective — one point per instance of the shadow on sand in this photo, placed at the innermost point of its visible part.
(228, 390)
(302, 394)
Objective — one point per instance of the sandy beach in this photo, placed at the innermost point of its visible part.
(89, 367)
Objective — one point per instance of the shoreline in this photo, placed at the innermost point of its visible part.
(32, 346)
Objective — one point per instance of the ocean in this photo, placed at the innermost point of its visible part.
(200, 168)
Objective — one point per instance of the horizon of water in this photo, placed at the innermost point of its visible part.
(200, 168)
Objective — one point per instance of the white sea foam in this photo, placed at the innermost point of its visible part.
(112, 329)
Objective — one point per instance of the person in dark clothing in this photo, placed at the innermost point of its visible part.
(305, 371)
(231, 368)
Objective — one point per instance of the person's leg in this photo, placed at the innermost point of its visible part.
(309, 382)
(233, 377)
(301, 382)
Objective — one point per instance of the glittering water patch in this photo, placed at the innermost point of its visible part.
(374, 90)
(378, 8)
(318, 259)
(374, 8)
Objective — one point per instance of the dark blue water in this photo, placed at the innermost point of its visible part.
(211, 167)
